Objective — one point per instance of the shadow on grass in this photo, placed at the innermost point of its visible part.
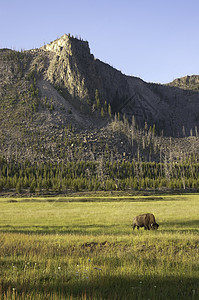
(99, 229)
(79, 229)
(181, 223)
(91, 199)
(109, 287)
(188, 226)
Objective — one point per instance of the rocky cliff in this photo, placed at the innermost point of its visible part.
(48, 97)
(73, 69)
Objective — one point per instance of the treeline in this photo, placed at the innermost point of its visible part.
(99, 175)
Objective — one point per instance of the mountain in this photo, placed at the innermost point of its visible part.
(73, 69)
(57, 101)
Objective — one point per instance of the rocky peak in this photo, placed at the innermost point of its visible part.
(65, 42)
(57, 45)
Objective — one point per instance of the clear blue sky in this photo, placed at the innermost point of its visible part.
(156, 40)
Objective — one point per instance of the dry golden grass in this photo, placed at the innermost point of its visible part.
(87, 250)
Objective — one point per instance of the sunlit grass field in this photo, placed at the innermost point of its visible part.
(84, 248)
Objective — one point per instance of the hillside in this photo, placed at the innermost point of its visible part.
(59, 103)
(187, 83)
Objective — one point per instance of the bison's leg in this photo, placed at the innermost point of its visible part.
(152, 227)
(146, 227)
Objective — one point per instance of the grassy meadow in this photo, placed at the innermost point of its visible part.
(83, 247)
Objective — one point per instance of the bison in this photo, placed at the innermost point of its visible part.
(146, 220)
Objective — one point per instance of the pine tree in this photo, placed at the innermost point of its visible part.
(97, 100)
(18, 187)
(109, 110)
(105, 106)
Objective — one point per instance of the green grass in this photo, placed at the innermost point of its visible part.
(61, 248)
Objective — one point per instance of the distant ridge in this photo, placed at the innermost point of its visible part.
(187, 83)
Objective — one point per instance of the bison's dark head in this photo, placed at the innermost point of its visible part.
(154, 226)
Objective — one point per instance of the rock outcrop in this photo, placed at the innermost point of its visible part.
(72, 68)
